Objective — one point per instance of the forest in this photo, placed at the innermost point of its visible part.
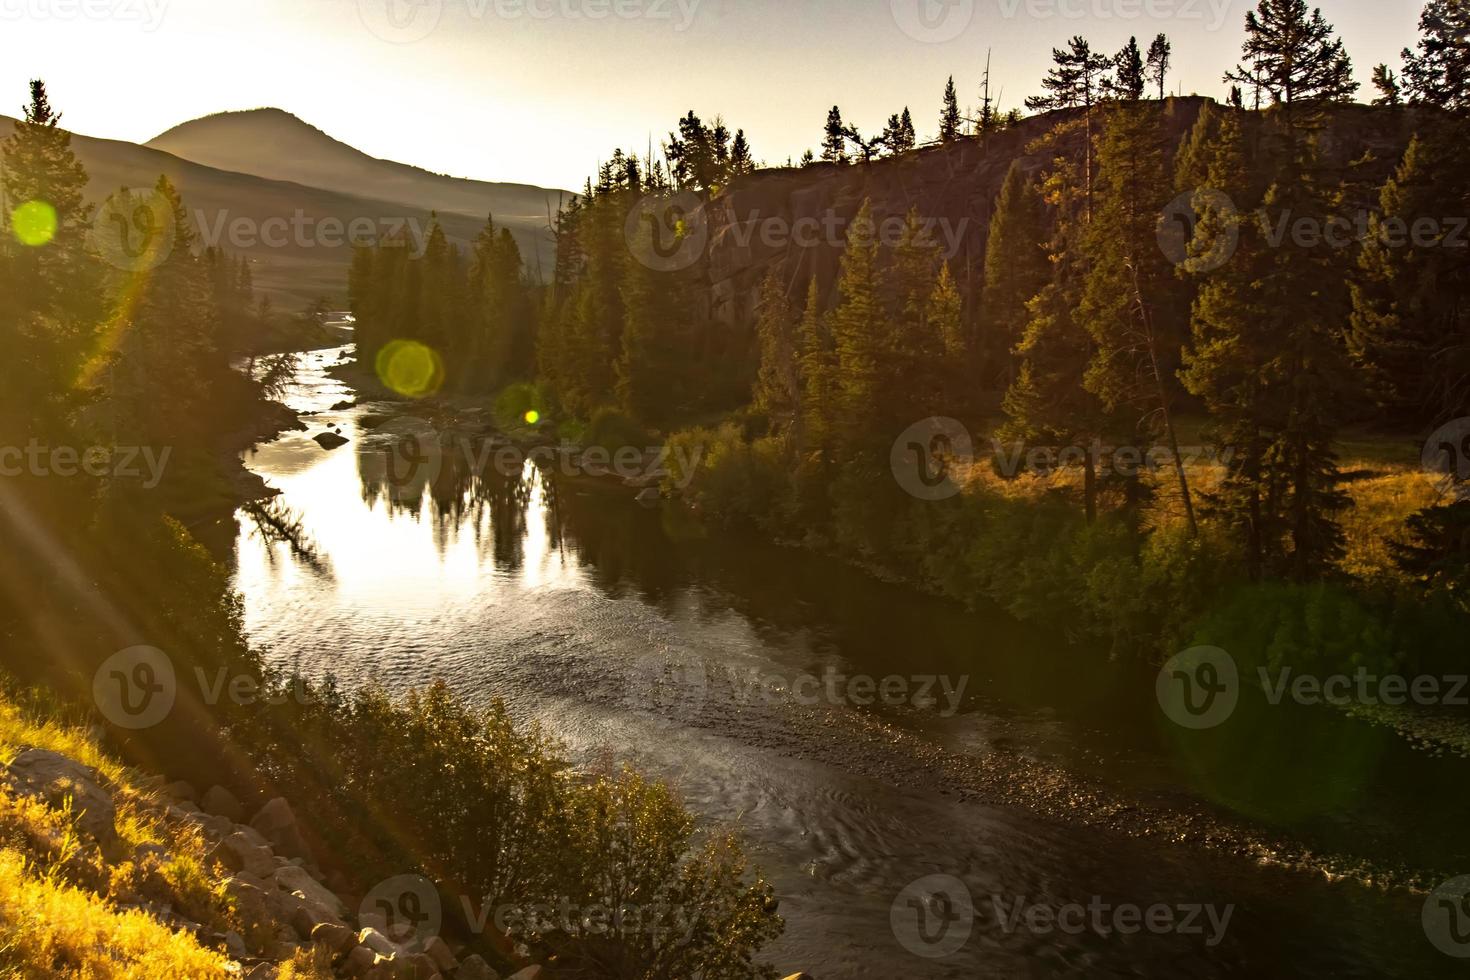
(1308, 309)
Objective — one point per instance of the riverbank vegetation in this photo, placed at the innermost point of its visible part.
(124, 343)
(1188, 298)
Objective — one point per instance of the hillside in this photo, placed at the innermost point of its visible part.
(276, 145)
(301, 268)
(954, 187)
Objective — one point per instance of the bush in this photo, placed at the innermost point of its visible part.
(612, 430)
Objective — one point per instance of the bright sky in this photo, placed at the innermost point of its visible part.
(540, 91)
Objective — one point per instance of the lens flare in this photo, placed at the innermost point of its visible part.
(533, 416)
(34, 223)
(410, 368)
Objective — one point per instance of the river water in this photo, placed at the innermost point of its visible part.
(1025, 792)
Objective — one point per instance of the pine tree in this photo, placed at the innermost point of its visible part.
(1267, 360)
(1075, 80)
(1129, 80)
(818, 374)
(949, 118)
(1438, 73)
(51, 306)
(1387, 84)
(1159, 53)
(741, 162)
(1016, 268)
(946, 313)
(861, 336)
(778, 382)
(1294, 56)
(1411, 298)
(913, 382)
(899, 136)
(1127, 303)
(834, 140)
(1048, 404)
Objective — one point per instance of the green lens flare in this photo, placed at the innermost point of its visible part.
(34, 223)
(410, 368)
(533, 416)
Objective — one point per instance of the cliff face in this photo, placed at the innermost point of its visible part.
(795, 220)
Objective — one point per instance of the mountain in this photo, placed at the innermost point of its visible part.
(276, 145)
(295, 269)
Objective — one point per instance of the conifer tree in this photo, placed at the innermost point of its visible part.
(1016, 268)
(1386, 81)
(778, 381)
(1294, 56)
(51, 307)
(1127, 303)
(834, 139)
(741, 162)
(861, 336)
(818, 374)
(1438, 72)
(1129, 80)
(1159, 53)
(949, 118)
(1411, 297)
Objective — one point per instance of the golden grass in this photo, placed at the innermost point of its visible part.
(51, 929)
(1387, 486)
(60, 898)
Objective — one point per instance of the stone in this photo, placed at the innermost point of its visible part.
(237, 853)
(531, 972)
(337, 938)
(475, 968)
(251, 903)
(276, 822)
(182, 791)
(359, 961)
(420, 966)
(235, 945)
(376, 941)
(329, 440)
(294, 880)
(54, 778)
(305, 916)
(222, 803)
(438, 951)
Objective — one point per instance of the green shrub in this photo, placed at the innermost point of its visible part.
(612, 430)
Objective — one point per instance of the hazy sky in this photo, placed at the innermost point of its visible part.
(540, 90)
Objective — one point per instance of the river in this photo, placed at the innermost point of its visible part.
(1027, 773)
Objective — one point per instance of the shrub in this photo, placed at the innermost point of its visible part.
(612, 430)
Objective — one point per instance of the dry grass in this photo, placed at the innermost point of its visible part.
(1387, 485)
(61, 900)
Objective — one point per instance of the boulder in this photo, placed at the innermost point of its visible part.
(475, 968)
(237, 853)
(329, 440)
(438, 951)
(377, 942)
(337, 938)
(182, 791)
(222, 803)
(54, 778)
(276, 822)
(251, 903)
(297, 881)
(359, 961)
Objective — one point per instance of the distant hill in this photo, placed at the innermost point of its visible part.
(276, 145)
(292, 273)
